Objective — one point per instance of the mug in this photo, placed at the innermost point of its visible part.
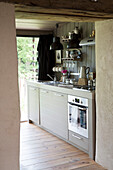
(57, 69)
(60, 69)
(54, 69)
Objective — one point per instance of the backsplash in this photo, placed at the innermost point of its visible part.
(88, 52)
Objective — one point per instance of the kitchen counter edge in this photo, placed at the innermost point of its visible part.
(65, 90)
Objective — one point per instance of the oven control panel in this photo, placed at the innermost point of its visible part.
(78, 100)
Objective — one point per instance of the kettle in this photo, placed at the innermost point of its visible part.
(84, 71)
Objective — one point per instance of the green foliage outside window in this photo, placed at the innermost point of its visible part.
(27, 56)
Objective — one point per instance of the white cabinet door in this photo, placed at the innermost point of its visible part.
(54, 112)
(45, 107)
(33, 104)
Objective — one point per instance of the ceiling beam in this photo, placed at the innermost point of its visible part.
(63, 10)
(33, 33)
(63, 15)
(86, 5)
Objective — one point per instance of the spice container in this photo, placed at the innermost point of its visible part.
(90, 83)
(94, 82)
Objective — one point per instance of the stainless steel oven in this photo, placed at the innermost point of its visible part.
(78, 115)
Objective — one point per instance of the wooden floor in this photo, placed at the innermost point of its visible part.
(41, 150)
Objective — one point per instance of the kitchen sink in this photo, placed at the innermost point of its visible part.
(52, 82)
(56, 83)
(66, 85)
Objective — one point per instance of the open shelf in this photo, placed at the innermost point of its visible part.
(72, 59)
(72, 49)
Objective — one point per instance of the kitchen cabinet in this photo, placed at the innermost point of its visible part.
(33, 104)
(54, 112)
(52, 102)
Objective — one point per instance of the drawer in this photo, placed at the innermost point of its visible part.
(78, 140)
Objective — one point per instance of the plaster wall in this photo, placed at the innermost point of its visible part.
(104, 93)
(9, 98)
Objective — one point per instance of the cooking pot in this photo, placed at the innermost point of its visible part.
(84, 71)
(73, 40)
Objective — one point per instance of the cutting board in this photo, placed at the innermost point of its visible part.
(82, 81)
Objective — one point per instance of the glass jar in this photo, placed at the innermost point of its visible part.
(64, 77)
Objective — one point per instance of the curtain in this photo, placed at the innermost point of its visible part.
(46, 57)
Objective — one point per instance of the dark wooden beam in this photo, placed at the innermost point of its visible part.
(86, 5)
(63, 10)
(63, 15)
(32, 33)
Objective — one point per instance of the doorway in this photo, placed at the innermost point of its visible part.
(27, 69)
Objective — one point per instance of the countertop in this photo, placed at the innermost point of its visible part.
(60, 89)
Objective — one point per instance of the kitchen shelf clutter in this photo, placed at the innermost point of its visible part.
(73, 54)
(71, 44)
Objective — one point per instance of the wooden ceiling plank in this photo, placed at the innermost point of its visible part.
(54, 17)
(99, 6)
(63, 10)
(71, 12)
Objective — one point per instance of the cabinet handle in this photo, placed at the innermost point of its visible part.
(76, 137)
(33, 88)
(59, 95)
(43, 91)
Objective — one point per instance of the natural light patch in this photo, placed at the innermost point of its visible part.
(27, 57)
(27, 68)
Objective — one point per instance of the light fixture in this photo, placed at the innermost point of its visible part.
(56, 45)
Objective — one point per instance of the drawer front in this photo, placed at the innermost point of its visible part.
(78, 140)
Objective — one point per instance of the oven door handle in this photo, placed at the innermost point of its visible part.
(80, 108)
(72, 104)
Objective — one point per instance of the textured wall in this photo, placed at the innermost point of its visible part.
(104, 93)
(9, 101)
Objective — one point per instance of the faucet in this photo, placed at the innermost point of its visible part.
(54, 79)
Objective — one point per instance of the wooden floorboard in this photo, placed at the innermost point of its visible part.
(42, 150)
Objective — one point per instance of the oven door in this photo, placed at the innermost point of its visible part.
(78, 119)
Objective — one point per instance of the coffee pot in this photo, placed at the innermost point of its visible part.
(84, 71)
